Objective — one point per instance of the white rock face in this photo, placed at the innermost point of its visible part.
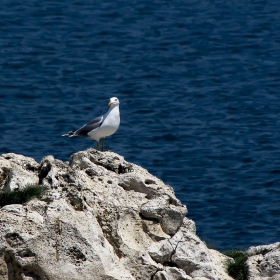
(169, 216)
(17, 171)
(264, 262)
(172, 273)
(108, 219)
(18, 178)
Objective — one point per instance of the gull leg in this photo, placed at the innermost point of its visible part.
(97, 145)
(103, 140)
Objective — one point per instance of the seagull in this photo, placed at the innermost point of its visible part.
(102, 126)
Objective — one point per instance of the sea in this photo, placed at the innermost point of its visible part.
(199, 89)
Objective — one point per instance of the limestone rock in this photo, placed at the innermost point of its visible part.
(154, 230)
(26, 163)
(18, 178)
(17, 171)
(16, 209)
(172, 273)
(14, 176)
(5, 167)
(67, 245)
(107, 219)
(192, 255)
(170, 216)
(161, 251)
(264, 262)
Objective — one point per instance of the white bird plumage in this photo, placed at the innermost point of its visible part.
(101, 127)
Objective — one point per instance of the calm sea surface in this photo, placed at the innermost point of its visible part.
(199, 85)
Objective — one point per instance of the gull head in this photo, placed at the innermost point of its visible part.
(114, 101)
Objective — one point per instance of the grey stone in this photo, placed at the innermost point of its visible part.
(264, 262)
(26, 163)
(16, 209)
(161, 251)
(19, 178)
(170, 216)
(154, 230)
(172, 273)
(193, 256)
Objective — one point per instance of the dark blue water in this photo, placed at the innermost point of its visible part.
(199, 85)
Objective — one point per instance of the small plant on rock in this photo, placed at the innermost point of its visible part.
(238, 269)
(21, 196)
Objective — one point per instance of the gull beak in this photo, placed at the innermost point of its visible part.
(110, 103)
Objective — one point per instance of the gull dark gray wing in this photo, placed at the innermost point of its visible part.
(84, 130)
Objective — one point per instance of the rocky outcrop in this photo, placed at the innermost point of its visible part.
(108, 219)
(264, 262)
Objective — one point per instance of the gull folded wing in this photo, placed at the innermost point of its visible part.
(84, 130)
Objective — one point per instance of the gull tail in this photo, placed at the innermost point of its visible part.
(70, 133)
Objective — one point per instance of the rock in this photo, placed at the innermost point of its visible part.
(5, 167)
(3, 268)
(154, 230)
(172, 273)
(220, 262)
(192, 255)
(170, 216)
(68, 245)
(161, 251)
(26, 163)
(107, 219)
(154, 207)
(116, 164)
(16, 209)
(264, 262)
(189, 225)
(17, 171)
(18, 178)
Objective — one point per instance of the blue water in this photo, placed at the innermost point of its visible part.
(199, 85)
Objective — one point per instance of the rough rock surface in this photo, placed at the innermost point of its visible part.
(264, 262)
(108, 219)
